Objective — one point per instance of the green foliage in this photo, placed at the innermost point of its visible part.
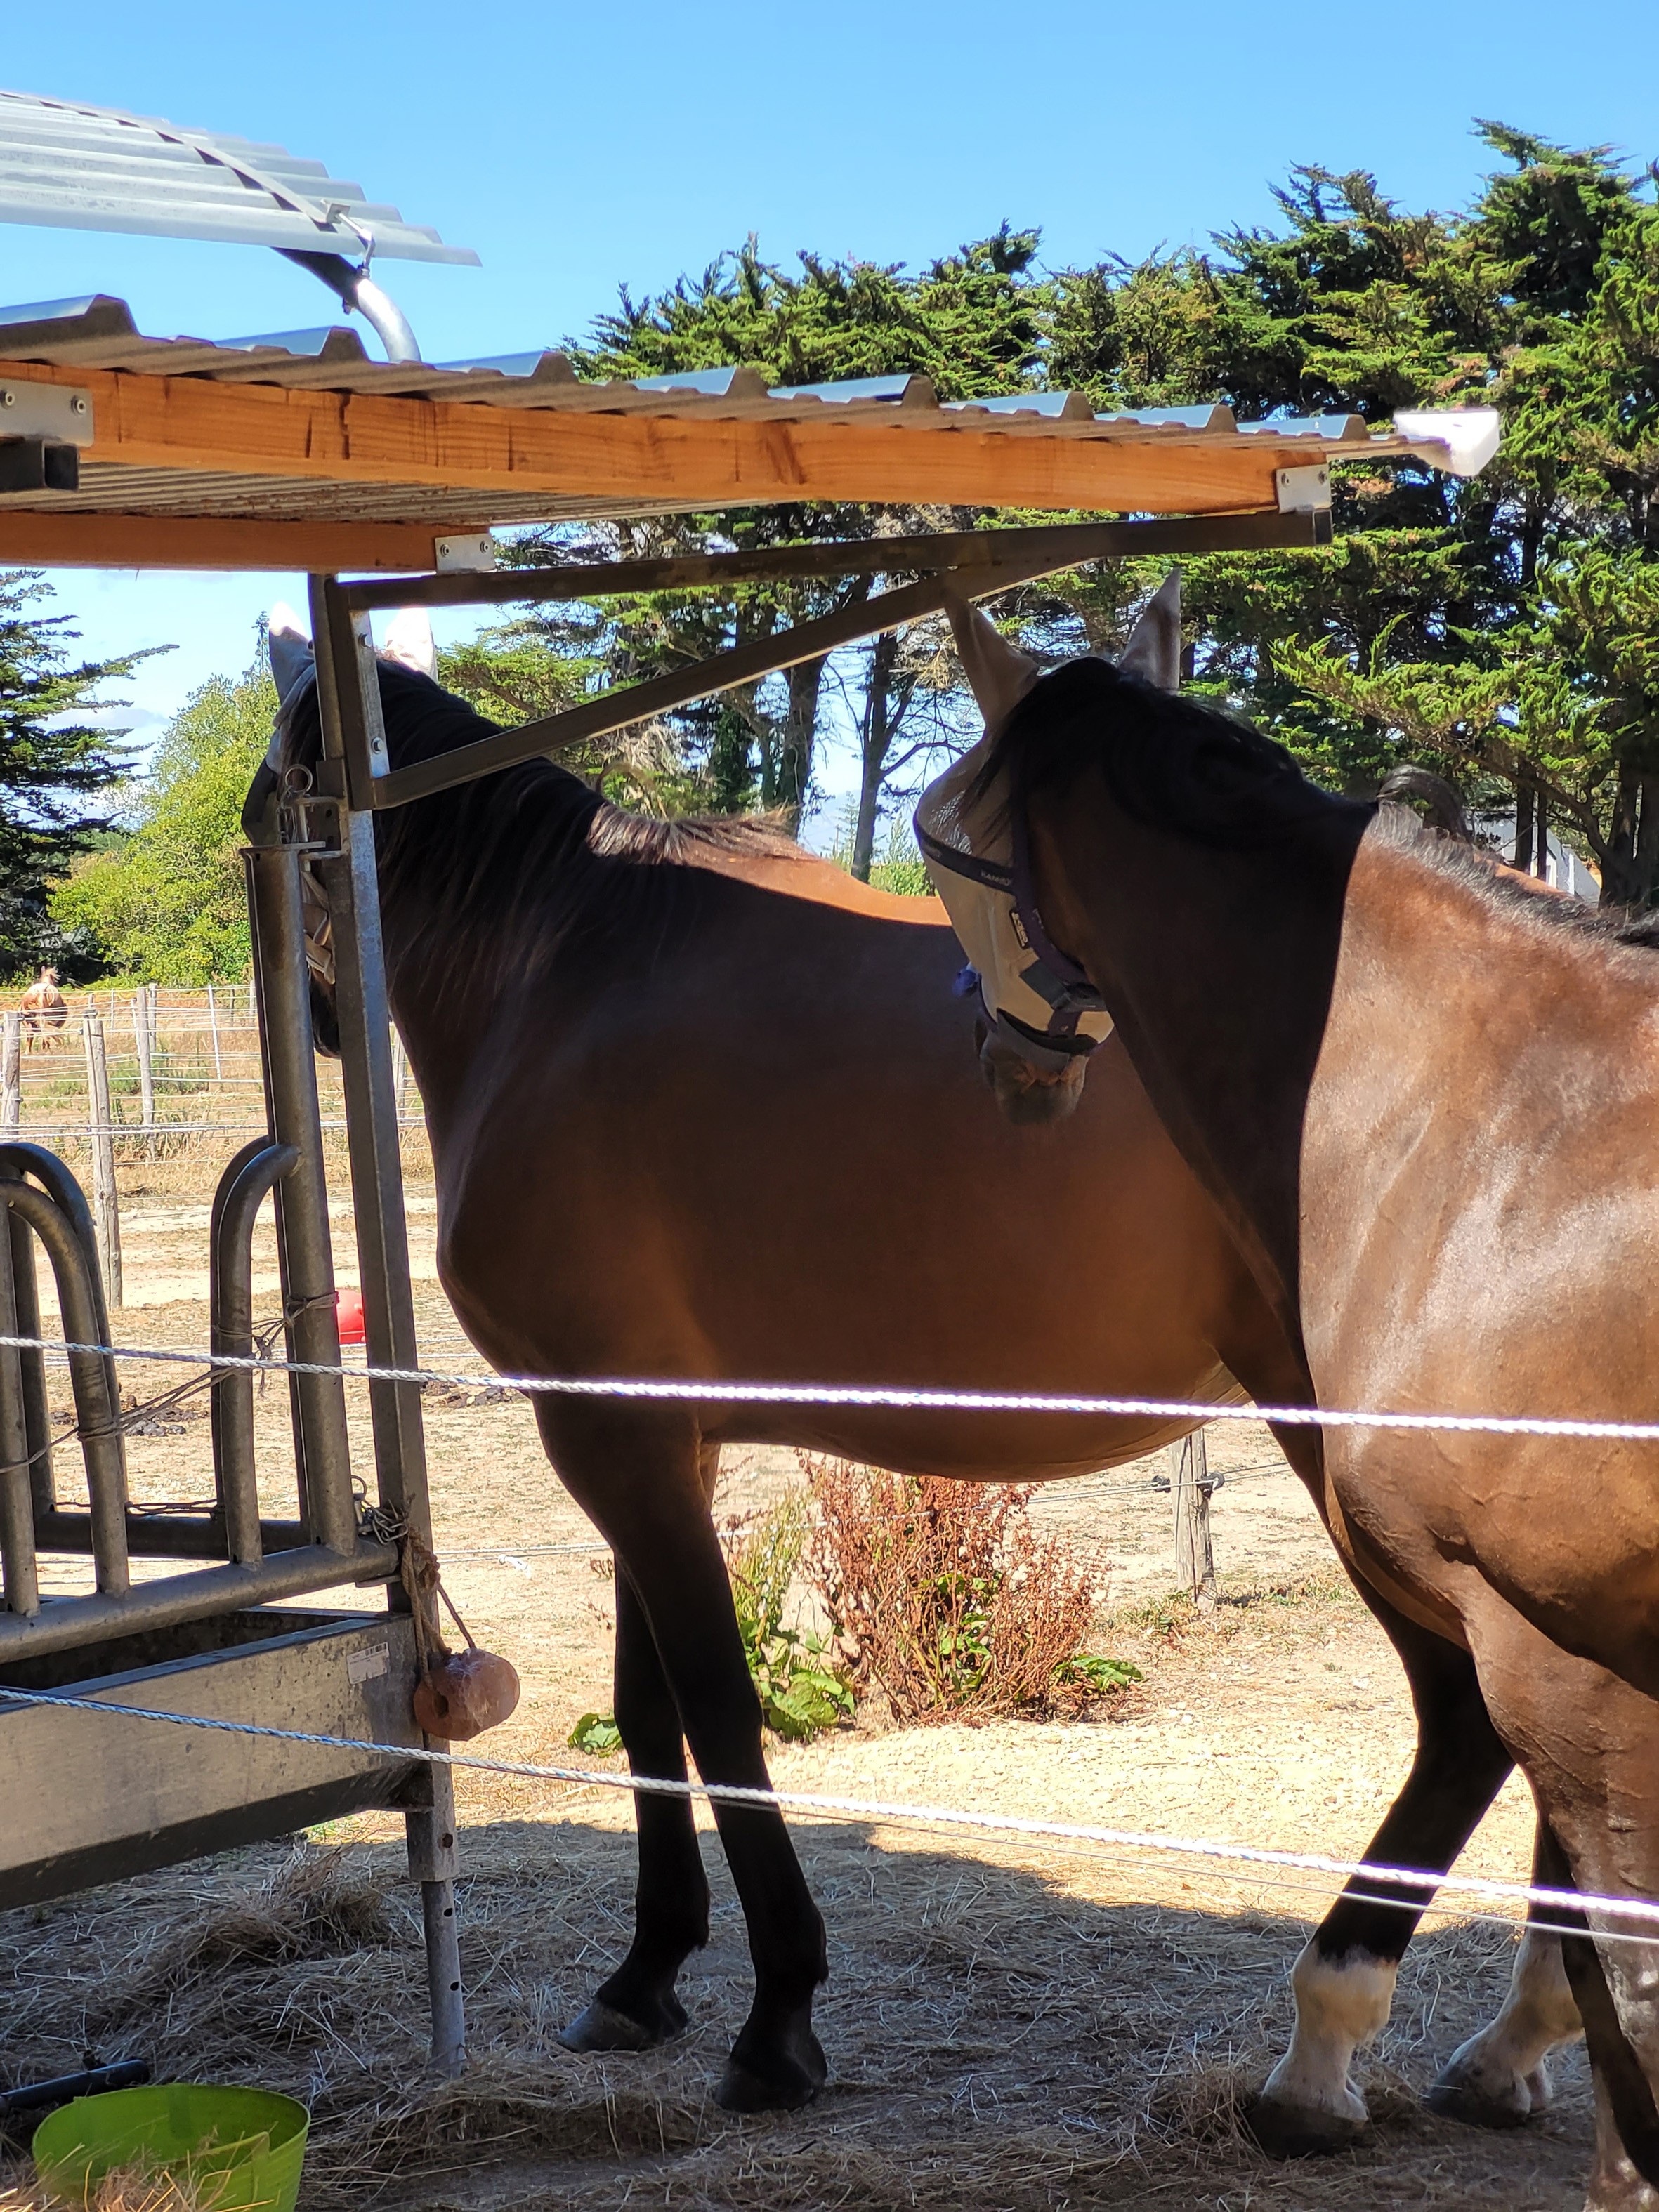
(802, 1689)
(1103, 1678)
(52, 765)
(167, 903)
(596, 1733)
(973, 320)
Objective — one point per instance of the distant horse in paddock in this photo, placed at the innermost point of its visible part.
(701, 1105)
(43, 1010)
(1385, 1061)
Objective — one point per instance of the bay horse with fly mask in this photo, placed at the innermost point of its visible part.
(701, 1106)
(1387, 1065)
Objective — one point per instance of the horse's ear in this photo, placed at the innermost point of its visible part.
(409, 641)
(1000, 673)
(1153, 652)
(291, 655)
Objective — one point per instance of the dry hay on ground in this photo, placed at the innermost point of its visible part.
(1006, 2028)
(1005, 2032)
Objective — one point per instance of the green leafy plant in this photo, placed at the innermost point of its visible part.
(596, 1733)
(1103, 1678)
(803, 1689)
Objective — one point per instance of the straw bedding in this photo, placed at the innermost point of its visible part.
(1006, 2032)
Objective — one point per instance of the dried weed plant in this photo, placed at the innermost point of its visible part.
(946, 1595)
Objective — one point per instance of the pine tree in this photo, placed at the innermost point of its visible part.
(54, 764)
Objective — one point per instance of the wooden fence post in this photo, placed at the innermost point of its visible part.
(106, 1211)
(213, 1031)
(143, 1045)
(1192, 1489)
(11, 1076)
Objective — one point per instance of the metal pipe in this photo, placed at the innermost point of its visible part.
(22, 1583)
(196, 1535)
(322, 1444)
(242, 1191)
(66, 1624)
(32, 1362)
(443, 1976)
(348, 697)
(355, 287)
(92, 1377)
(1065, 544)
(64, 1188)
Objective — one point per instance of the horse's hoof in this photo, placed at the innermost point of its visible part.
(1474, 2107)
(602, 2027)
(783, 2082)
(1486, 2096)
(1300, 2130)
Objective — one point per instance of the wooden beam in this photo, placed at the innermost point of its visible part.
(32, 540)
(644, 462)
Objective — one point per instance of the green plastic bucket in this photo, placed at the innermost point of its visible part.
(235, 2150)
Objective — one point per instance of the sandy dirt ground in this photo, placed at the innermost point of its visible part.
(1008, 2024)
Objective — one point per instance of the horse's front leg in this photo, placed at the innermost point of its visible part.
(636, 2008)
(638, 1477)
(1343, 1980)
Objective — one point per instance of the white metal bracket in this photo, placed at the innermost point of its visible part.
(1302, 491)
(452, 555)
(56, 412)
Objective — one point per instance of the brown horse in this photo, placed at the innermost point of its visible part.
(701, 1106)
(1425, 1102)
(44, 1009)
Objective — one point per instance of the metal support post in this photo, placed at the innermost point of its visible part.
(349, 697)
(213, 1031)
(106, 1207)
(322, 1445)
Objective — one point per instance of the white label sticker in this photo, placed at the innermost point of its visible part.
(368, 1664)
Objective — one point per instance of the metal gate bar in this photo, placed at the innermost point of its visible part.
(348, 699)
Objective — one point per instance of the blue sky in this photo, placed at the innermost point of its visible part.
(576, 148)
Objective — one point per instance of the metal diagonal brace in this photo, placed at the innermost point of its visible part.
(1071, 544)
(746, 664)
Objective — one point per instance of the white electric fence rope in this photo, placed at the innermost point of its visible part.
(1644, 1911)
(691, 1390)
(678, 1390)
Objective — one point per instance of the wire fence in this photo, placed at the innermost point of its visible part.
(179, 1066)
(1635, 1919)
(1420, 1884)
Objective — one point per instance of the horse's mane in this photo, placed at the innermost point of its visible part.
(1177, 765)
(506, 867)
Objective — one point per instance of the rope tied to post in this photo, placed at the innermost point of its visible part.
(459, 1694)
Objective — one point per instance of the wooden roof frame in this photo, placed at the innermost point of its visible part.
(300, 453)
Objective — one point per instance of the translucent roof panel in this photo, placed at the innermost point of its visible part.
(97, 168)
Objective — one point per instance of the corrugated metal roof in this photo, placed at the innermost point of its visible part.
(97, 168)
(224, 450)
(99, 332)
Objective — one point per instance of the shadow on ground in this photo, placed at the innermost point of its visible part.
(998, 2036)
